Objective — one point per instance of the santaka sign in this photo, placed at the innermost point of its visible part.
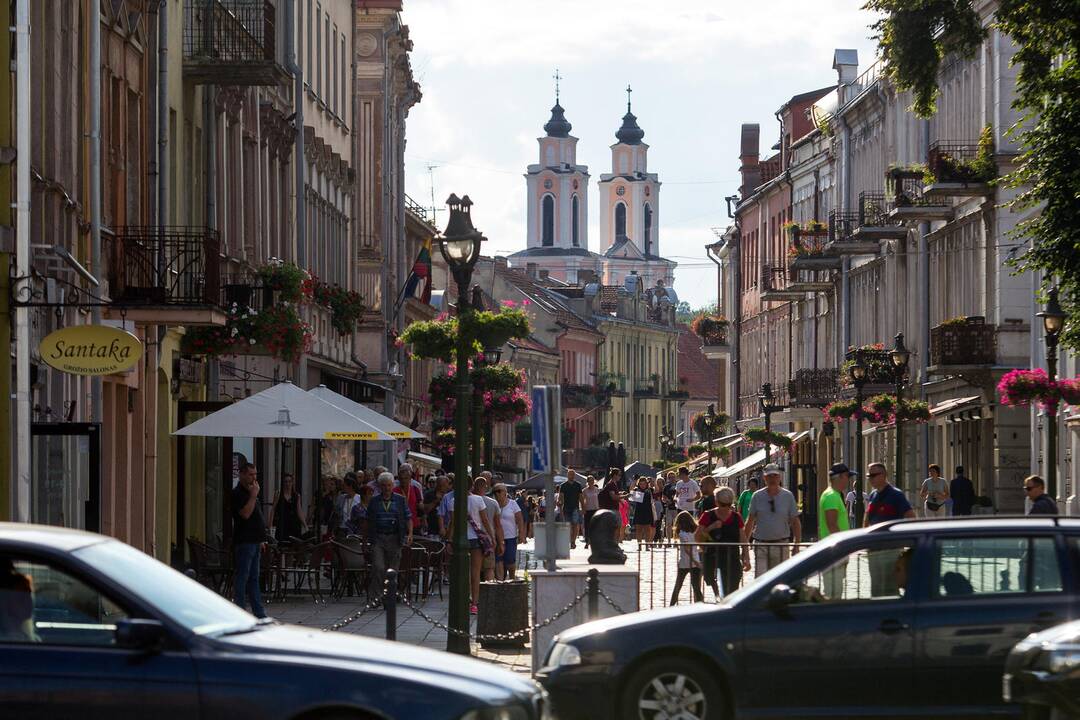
(91, 350)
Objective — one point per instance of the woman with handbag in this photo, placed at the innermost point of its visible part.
(724, 525)
(481, 542)
(935, 493)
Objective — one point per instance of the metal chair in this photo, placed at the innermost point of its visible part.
(352, 568)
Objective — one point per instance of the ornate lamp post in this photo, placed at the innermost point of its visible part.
(858, 379)
(460, 247)
(1053, 318)
(492, 356)
(767, 401)
(710, 418)
(901, 356)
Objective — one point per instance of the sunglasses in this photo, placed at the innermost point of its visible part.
(875, 474)
(1029, 488)
(772, 505)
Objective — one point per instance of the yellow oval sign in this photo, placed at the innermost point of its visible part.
(91, 350)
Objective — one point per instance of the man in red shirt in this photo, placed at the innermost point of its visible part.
(413, 493)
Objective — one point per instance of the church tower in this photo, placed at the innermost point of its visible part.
(557, 216)
(630, 210)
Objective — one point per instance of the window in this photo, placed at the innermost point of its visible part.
(309, 43)
(326, 59)
(620, 220)
(333, 77)
(996, 566)
(574, 221)
(647, 233)
(316, 86)
(41, 604)
(548, 237)
(878, 573)
(345, 70)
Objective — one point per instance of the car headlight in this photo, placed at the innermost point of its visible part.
(1064, 660)
(562, 655)
(509, 712)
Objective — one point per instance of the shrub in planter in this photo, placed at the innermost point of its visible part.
(720, 452)
(345, 306)
(712, 329)
(291, 282)
(695, 450)
(701, 424)
(843, 410)
(757, 436)
(1023, 387)
(913, 411)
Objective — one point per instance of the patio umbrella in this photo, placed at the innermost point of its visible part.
(284, 411)
(391, 427)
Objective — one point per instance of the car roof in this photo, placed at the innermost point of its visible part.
(977, 523)
(56, 538)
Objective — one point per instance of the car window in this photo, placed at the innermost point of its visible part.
(864, 574)
(40, 603)
(996, 566)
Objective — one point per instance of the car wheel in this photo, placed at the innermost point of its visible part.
(671, 689)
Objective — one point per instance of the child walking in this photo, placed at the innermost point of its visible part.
(689, 558)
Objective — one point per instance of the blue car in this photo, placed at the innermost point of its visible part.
(905, 619)
(92, 628)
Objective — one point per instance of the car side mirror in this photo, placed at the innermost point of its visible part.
(140, 634)
(780, 597)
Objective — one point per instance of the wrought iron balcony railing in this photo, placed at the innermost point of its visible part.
(166, 266)
(232, 42)
(877, 361)
(971, 342)
(814, 386)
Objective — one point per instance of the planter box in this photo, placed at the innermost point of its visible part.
(973, 343)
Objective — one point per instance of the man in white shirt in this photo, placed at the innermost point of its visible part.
(687, 491)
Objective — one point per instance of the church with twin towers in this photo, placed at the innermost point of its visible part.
(557, 247)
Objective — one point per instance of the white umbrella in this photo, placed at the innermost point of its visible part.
(283, 411)
(387, 425)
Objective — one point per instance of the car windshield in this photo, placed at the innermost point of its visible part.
(770, 577)
(177, 596)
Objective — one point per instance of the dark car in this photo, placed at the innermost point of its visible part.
(92, 628)
(1043, 673)
(910, 618)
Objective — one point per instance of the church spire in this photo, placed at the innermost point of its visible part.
(629, 133)
(558, 126)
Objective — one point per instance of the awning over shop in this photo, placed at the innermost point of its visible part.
(384, 424)
(955, 405)
(423, 459)
(283, 411)
(755, 460)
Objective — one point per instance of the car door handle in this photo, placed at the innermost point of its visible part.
(890, 627)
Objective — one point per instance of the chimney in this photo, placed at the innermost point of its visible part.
(749, 169)
(501, 263)
(530, 270)
(544, 274)
(846, 65)
(585, 277)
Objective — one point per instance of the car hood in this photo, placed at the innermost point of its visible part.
(646, 619)
(1066, 633)
(386, 655)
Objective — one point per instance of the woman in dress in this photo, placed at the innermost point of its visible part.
(723, 524)
(644, 515)
(287, 512)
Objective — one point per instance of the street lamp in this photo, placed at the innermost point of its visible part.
(1053, 319)
(460, 247)
(492, 355)
(710, 418)
(858, 379)
(901, 356)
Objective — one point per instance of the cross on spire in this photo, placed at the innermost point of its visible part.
(628, 91)
(557, 77)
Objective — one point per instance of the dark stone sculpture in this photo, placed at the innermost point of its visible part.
(602, 528)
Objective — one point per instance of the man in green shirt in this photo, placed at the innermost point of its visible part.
(832, 513)
(832, 518)
(743, 503)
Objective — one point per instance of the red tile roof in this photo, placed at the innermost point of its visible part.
(702, 374)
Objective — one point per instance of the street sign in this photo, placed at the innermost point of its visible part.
(541, 441)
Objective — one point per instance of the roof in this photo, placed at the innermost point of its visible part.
(558, 126)
(701, 373)
(531, 344)
(545, 298)
(630, 133)
(810, 95)
(553, 252)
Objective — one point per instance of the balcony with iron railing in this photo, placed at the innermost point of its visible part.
(860, 232)
(424, 214)
(814, 387)
(775, 286)
(584, 396)
(169, 274)
(963, 341)
(958, 170)
(908, 199)
(880, 371)
(647, 387)
(232, 42)
(614, 384)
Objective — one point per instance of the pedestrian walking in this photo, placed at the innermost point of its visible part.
(752, 486)
(389, 529)
(706, 501)
(513, 527)
(773, 522)
(658, 508)
(849, 499)
(670, 511)
(731, 557)
(1041, 503)
(612, 455)
(568, 501)
(620, 457)
(287, 512)
(642, 501)
(249, 540)
(962, 492)
(491, 513)
(590, 503)
(689, 558)
(687, 492)
(934, 493)
(886, 503)
(833, 518)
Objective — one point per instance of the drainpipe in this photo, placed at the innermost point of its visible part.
(292, 66)
(844, 316)
(20, 510)
(924, 316)
(163, 132)
(95, 188)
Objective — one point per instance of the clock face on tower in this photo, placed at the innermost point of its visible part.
(646, 191)
(620, 191)
(548, 184)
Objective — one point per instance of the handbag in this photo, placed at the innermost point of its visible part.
(486, 545)
(933, 505)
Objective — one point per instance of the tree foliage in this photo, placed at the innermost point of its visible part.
(915, 37)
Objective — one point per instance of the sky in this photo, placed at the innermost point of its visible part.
(699, 69)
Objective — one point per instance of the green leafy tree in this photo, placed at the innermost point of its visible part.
(916, 36)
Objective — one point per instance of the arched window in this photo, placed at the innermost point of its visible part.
(548, 237)
(620, 220)
(647, 234)
(574, 221)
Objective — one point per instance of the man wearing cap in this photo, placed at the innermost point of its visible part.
(833, 518)
(773, 522)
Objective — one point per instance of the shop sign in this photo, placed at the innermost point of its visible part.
(351, 436)
(91, 350)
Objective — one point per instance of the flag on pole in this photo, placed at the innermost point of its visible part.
(421, 274)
